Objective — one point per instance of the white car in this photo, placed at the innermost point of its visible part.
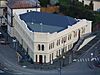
(2, 41)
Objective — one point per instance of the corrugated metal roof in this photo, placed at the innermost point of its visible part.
(45, 22)
(18, 4)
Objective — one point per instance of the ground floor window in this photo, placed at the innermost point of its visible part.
(44, 58)
(50, 57)
(59, 52)
(36, 58)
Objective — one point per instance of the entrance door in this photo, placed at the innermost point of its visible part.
(40, 59)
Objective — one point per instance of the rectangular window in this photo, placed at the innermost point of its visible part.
(59, 52)
(69, 36)
(57, 43)
(75, 33)
(56, 53)
(50, 58)
(69, 46)
(83, 30)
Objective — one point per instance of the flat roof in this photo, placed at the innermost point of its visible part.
(46, 22)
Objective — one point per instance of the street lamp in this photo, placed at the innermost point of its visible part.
(59, 69)
(91, 55)
(63, 61)
(14, 43)
(51, 62)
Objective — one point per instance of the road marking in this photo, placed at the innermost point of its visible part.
(88, 59)
(85, 59)
(80, 60)
(97, 59)
(84, 54)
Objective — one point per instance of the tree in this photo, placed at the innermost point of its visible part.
(44, 3)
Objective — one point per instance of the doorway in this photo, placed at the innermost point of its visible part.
(40, 59)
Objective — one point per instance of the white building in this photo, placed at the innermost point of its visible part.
(2, 11)
(19, 7)
(46, 36)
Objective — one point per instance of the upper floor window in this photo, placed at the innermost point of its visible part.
(69, 46)
(64, 39)
(58, 42)
(69, 36)
(51, 45)
(75, 33)
(42, 47)
(83, 29)
(38, 46)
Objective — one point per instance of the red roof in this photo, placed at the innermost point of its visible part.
(19, 4)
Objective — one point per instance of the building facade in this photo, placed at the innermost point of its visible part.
(46, 36)
(96, 3)
(2, 11)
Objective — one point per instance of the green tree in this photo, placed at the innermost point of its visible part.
(44, 3)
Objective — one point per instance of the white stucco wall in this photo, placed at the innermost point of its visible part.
(32, 39)
(3, 3)
(21, 11)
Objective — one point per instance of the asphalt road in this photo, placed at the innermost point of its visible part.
(8, 58)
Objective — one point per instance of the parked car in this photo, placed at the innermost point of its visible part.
(2, 41)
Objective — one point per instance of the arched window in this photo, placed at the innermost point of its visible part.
(42, 47)
(38, 46)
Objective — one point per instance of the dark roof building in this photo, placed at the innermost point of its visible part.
(45, 22)
(19, 4)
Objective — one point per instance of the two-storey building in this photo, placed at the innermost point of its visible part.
(46, 36)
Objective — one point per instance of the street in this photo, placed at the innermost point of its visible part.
(9, 60)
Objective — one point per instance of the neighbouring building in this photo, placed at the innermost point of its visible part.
(96, 6)
(19, 7)
(2, 11)
(54, 2)
(46, 36)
